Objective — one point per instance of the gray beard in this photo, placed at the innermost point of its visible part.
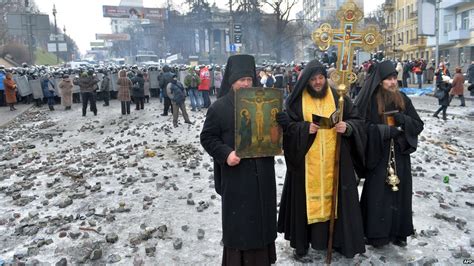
(318, 94)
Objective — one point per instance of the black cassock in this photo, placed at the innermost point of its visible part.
(248, 189)
(387, 214)
(292, 219)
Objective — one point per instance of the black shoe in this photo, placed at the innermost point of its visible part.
(400, 243)
(435, 115)
(164, 114)
(302, 256)
(189, 122)
(105, 105)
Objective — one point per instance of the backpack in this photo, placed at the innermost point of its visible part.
(270, 82)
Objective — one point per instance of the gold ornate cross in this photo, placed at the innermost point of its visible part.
(347, 37)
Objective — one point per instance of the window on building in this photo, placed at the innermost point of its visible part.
(403, 14)
(408, 37)
(465, 20)
(471, 20)
(448, 23)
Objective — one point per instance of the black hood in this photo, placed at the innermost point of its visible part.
(377, 73)
(238, 66)
(312, 68)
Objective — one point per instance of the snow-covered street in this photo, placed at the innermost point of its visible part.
(134, 190)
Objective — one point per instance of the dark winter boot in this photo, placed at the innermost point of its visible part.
(51, 108)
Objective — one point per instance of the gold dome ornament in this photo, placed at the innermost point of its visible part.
(392, 177)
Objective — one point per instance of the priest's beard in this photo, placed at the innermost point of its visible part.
(387, 98)
(318, 94)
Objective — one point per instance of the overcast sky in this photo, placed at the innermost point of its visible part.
(83, 18)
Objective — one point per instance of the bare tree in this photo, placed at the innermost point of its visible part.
(9, 6)
(281, 9)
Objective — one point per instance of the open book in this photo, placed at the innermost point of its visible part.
(326, 122)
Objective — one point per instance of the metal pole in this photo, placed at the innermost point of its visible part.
(56, 33)
(30, 37)
(437, 33)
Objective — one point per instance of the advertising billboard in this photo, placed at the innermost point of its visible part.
(132, 12)
(426, 18)
(112, 36)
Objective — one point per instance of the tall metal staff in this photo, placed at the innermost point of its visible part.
(346, 38)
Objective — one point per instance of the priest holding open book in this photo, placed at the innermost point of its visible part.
(309, 142)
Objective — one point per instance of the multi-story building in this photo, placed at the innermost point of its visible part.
(456, 33)
(323, 10)
(401, 32)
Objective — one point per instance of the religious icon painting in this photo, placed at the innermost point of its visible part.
(257, 133)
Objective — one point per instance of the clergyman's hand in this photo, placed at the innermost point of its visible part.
(233, 159)
(341, 127)
(283, 119)
(313, 128)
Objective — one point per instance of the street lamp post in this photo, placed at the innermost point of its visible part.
(56, 34)
(67, 48)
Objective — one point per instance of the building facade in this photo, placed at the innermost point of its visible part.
(324, 10)
(401, 32)
(456, 33)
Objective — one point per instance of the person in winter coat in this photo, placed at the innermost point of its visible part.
(66, 92)
(470, 78)
(458, 87)
(204, 86)
(146, 87)
(48, 91)
(192, 81)
(88, 85)
(399, 69)
(165, 78)
(10, 91)
(123, 95)
(105, 88)
(442, 83)
(406, 73)
(176, 93)
(217, 79)
(138, 90)
(2, 89)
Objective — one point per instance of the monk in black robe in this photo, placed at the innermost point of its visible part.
(389, 115)
(247, 186)
(310, 159)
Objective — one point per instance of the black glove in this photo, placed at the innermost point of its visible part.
(399, 118)
(283, 119)
(394, 132)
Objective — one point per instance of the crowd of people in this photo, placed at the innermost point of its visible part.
(378, 131)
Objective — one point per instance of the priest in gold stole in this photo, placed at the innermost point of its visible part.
(310, 151)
